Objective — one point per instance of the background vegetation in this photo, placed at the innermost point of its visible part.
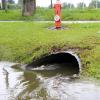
(26, 10)
(44, 14)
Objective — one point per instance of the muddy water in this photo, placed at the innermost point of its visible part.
(44, 83)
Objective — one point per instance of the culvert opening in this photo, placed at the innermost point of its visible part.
(61, 60)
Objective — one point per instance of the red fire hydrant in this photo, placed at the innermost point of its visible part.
(57, 18)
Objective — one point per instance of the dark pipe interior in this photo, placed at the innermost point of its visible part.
(58, 58)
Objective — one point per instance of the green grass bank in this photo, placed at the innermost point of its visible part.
(24, 41)
(46, 14)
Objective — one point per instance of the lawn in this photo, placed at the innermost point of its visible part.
(24, 41)
(45, 14)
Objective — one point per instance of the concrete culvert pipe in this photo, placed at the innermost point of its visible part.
(65, 57)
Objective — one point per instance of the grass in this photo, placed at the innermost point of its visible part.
(45, 14)
(24, 41)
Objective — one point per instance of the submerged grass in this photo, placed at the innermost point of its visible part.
(25, 41)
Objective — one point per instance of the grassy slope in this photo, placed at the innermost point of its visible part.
(48, 14)
(22, 42)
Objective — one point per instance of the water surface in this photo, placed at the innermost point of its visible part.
(44, 83)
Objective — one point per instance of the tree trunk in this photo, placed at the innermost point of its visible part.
(29, 7)
(4, 4)
(51, 4)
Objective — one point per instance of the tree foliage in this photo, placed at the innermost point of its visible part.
(81, 5)
(94, 4)
(67, 5)
(11, 1)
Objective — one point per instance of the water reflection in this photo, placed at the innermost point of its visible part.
(56, 69)
(6, 74)
(44, 85)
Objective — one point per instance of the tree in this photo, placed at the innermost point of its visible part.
(81, 5)
(11, 1)
(29, 7)
(94, 4)
(4, 5)
(65, 5)
(20, 2)
(51, 4)
(69, 5)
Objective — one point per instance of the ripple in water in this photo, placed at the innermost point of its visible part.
(44, 84)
